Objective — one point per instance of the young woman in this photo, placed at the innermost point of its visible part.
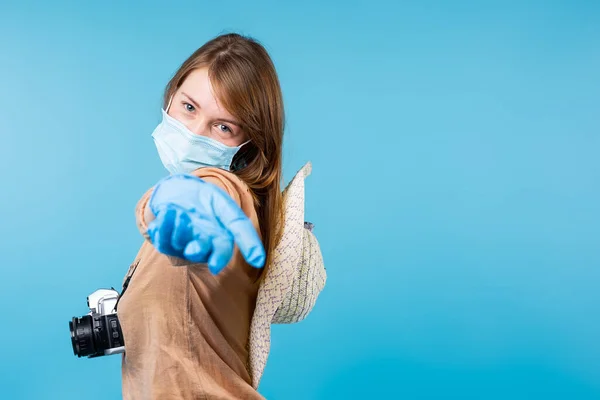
(211, 228)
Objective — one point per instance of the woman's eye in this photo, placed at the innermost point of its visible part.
(224, 128)
(189, 107)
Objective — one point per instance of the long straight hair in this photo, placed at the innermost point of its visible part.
(246, 83)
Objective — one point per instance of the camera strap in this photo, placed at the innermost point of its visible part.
(126, 283)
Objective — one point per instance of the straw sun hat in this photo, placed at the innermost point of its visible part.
(294, 279)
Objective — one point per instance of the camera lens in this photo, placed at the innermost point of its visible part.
(82, 336)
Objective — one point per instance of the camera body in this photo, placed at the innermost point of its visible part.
(98, 333)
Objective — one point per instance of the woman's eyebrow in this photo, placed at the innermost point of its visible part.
(232, 122)
(194, 102)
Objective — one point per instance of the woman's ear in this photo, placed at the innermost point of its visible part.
(243, 157)
(238, 163)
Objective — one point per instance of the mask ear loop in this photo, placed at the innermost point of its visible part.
(169, 104)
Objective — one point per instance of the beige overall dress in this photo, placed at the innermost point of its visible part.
(186, 330)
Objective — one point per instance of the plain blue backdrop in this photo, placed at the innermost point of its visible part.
(455, 187)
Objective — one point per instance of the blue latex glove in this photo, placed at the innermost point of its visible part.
(200, 222)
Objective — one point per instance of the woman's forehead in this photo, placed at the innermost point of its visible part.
(198, 88)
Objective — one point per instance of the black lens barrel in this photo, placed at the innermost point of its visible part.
(82, 336)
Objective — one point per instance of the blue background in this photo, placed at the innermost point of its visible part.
(455, 187)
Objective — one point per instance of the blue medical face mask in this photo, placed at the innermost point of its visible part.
(182, 151)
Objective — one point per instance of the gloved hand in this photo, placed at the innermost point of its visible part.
(198, 221)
